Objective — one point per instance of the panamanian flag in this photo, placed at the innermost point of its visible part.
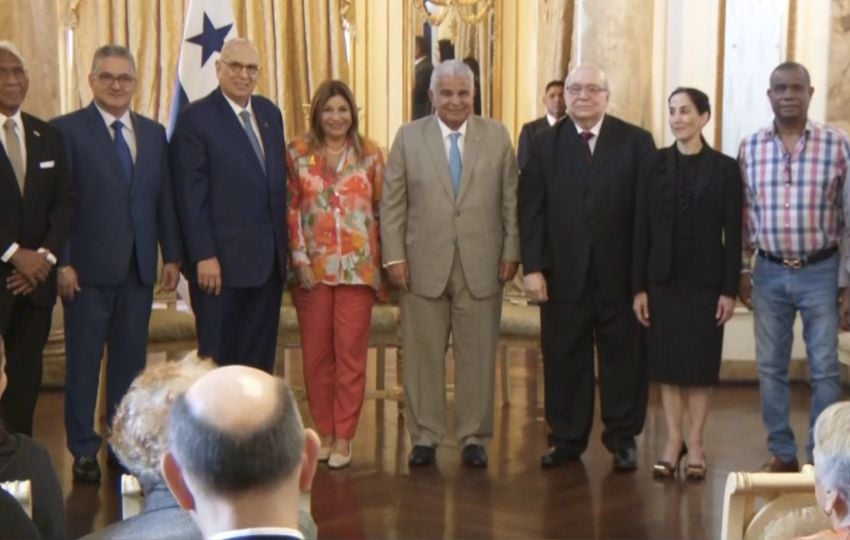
(209, 23)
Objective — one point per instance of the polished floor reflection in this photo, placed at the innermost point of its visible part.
(379, 497)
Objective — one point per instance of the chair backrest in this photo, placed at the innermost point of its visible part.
(132, 499)
(21, 490)
(782, 493)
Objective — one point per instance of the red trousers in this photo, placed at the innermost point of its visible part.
(334, 324)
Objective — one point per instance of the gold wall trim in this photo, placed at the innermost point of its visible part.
(718, 91)
(496, 98)
(791, 36)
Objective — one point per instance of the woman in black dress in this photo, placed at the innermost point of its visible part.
(687, 265)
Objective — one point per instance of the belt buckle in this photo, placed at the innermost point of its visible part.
(794, 264)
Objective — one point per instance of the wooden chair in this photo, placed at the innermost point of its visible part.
(21, 490)
(785, 496)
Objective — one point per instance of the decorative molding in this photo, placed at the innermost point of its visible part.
(791, 32)
(720, 79)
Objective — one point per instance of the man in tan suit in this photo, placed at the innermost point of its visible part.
(450, 241)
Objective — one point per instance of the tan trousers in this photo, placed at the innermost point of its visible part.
(474, 326)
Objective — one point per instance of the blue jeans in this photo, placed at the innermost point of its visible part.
(778, 293)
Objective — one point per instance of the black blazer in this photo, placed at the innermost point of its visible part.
(529, 130)
(42, 216)
(570, 209)
(717, 206)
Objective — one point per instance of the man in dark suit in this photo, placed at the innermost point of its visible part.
(576, 209)
(556, 108)
(238, 455)
(124, 207)
(422, 69)
(36, 209)
(230, 181)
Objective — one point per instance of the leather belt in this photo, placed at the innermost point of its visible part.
(816, 257)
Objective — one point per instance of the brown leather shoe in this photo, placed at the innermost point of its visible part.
(774, 464)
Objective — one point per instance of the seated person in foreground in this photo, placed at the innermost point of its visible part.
(139, 433)
(832, 470)
(238, 455)
(21, 458)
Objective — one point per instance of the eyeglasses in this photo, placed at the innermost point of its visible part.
(591, 89)
(16, 72)
(108, 79)
(236, 68)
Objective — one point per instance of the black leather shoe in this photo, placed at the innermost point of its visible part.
(625, 459)
(86, 469)
(474, 455)
(555, 457)
(421, 456)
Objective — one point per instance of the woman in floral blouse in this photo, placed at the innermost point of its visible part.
(334, 186)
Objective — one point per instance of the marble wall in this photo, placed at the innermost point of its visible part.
(617, 35)
(837, 109)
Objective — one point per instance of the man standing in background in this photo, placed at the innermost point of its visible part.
(230, 181)
(36, 210)
(124, 208)
(556, 109)
(795, 174)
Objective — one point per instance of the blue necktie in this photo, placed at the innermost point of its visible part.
(252, 137)
(125, 158)
(454, 161)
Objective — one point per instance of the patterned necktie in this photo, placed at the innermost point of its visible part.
(252, 137)
(125, 158)
(454, 161)
(585, 138)
(13, 150)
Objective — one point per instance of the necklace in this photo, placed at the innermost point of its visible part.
(328, 149)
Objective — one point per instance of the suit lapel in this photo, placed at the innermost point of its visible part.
(434, 143)
(604, 147)
(571, 154)
(470, 155)
(102, 138)
(33, 143)
(234, 125)
(705, 171)
(7, 173)
(141, 164)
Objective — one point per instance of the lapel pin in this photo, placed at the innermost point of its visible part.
(36, 133)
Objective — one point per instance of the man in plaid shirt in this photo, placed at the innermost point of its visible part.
(795, 173)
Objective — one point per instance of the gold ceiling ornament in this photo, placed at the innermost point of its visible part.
(454, 6)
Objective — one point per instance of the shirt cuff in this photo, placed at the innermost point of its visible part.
(10, 252)
(51, 258)
(388, 264)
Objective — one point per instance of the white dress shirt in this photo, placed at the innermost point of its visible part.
(257, 531)
(128, 131)
(447, 141)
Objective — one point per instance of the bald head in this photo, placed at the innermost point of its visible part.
(235, 429)
(238, 69)
(235, 399)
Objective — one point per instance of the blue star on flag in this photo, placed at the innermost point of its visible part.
(211, 39)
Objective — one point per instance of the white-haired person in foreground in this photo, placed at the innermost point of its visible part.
(832, 470)
(139, 438)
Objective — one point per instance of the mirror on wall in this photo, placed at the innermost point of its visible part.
(446, 29)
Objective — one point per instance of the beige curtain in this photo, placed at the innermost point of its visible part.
(301, 43)
(554, 41)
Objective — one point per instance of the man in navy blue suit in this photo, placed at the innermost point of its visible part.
(230, 184)
(124, 206)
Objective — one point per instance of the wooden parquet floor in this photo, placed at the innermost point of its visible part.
(379, 497)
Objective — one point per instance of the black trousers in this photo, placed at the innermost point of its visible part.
(25, 329)
(239, 326)
(568, 334)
